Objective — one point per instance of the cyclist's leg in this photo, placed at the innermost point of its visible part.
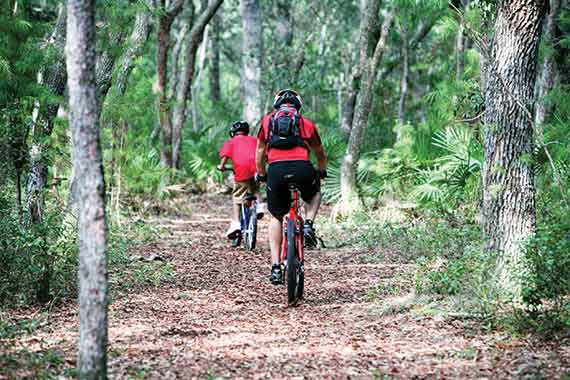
(238, 193)
(275, 236)
(310, 187)
(312, 206)
(278, 200)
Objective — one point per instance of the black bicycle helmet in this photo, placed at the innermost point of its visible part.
(287, 96)
(239, 126)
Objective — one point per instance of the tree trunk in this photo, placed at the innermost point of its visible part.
(283, 58)
(460, 43)
(177, 58)
(197, 85)
(42, 126)
(508, 179)
(404, 78)
(88, 164)
(183, 92)
(548, 74)
(216, 30)
(368, 63)
(283, 22)
(347, 116)
(252, 60)
(137, 40)
(135, 45)
(105, 62)
(19, 192)
(165, 19)
(104, 70)
(563, 49)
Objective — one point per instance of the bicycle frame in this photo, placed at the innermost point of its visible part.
(293, 215)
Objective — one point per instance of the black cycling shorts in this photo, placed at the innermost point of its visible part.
(278, 194)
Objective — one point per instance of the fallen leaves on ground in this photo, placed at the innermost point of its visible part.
(218, 317)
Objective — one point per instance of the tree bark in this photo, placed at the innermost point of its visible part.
(216, 30)
(135, 45)
(88, 165)
(183, 92)
(177, 58)
(283, 22)
(137, 40)
(548, 73)
(196, 86)
(105, 63)
(54, 79)
(404, 78)
(350, 102)
(283, 58)
(165, 20)
(508, 179)
(563, 50)
(460, 43)
(252, 60)
(369, 64)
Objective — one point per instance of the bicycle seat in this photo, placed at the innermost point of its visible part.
(289, 178)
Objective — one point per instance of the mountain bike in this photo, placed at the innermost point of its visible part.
(292, 246)
(248, 220)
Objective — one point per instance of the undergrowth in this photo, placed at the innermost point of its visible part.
(17, 361)
(455, 273)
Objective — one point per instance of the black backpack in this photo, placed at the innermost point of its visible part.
(284, 130)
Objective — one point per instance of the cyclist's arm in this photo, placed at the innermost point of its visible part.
(317, 146)
(260, 158)
(223, 161)
(321, 157)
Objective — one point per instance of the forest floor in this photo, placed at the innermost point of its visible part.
(218, 317)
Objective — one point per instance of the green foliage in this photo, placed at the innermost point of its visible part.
(152, 273)
(25, 255)
(23, 363)
(203, 147)
(549, 257)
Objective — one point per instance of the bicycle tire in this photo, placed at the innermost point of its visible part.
(251, 229)
(301, 284)
(292, 263)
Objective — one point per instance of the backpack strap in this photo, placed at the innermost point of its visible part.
(301, 128)
(270, 125)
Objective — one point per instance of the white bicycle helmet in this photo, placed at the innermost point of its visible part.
(287, 96)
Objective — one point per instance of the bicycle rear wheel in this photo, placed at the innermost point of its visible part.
(292, 264)
(251, 228)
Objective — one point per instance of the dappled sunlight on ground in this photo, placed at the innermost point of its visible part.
(219, 317)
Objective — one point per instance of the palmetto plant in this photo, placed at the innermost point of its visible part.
(448, 177)
(202, 152)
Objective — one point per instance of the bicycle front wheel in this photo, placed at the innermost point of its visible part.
(292, 263)
(251, 229)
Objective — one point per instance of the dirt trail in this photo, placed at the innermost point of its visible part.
(221, 318)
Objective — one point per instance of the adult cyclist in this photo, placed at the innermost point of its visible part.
(284, 141)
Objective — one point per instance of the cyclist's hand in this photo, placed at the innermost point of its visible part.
(323, 174)
(260, 178)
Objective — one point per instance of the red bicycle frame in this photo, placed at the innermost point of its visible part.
(293, 215)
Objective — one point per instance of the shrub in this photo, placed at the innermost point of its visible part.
(548, 255)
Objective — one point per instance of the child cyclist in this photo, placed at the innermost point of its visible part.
(240, 148)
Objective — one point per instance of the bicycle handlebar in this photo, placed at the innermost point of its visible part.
(225, 168)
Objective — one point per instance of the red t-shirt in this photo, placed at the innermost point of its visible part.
(241, 150)
(308, 131)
